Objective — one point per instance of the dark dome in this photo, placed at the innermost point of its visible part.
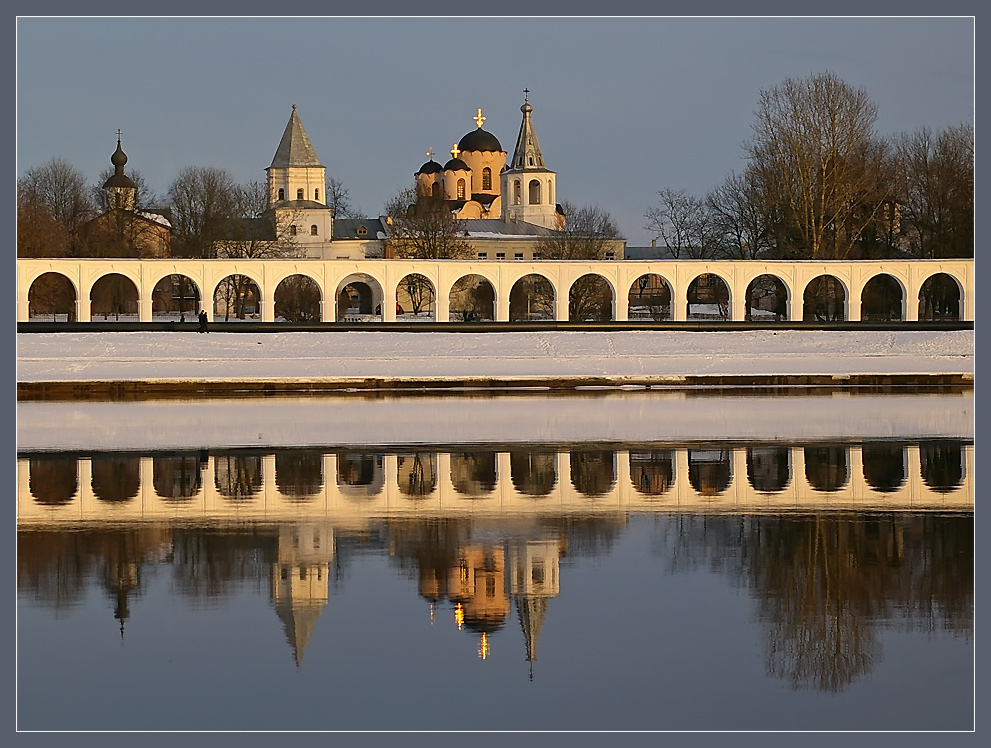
(479, 140)
(431, 167)
(119, 158)
(456, 164)
(118, 180)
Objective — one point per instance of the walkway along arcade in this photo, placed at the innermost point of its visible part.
(501, 291)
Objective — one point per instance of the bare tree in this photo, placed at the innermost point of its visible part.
(423, 227)
(936, 191)
(339, 198)
(52, 203)
(818, 163)
(740, 223)
(203, 202)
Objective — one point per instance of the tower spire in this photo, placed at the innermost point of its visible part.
(527, 154)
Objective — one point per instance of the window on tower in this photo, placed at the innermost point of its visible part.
(282, 194)
(461, 189)
(534, 192)
(486, 178)
(292, 230)
(299, 194)
(316, 195)
(313, 230)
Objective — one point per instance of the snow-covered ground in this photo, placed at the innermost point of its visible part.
(120, 356)
(614, 416)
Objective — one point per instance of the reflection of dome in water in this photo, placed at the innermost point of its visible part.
(484, 622)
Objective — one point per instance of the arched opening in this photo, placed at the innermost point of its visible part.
(176, 477)
(238, 477)
(175, 297)
(486, 178)
(939, 298)
(942, 465)
(710, 471)
(652, 473)
(881, 300)
(52, 297)
(436, 190)
(534, 192)
(282, 194)
(590, 299)
(884, 466)
(649, 299)
(299, 194)
(769, 468)
(533, 473)
(298, 473)
(114, 295)
(313, 230)
(359, 299)
(415, 297)
(236, 297)
(767, 299)
(473, 473)
(461, 189)
(297, 299)
(116, 478)
(826, 467)
(593, 472)
(416, 474)
(472, 299)
(824, 300)
(517, 192)
(531, 299)
(53, 481)
(360, 474)
(708, 298)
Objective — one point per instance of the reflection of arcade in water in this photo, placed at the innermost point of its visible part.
(351, 486)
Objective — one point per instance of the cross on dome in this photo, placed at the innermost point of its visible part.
(455, 151)
(430, 153)
(526, 94)
(479, 119)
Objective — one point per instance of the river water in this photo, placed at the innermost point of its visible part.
(609, 561)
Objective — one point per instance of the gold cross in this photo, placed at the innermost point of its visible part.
(430, 154)
(479, 118)
(455, 151)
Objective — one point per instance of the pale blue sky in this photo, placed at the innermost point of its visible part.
(623, 107)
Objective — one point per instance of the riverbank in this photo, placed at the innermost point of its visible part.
(58, 365)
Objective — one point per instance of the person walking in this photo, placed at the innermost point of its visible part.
(202, 318)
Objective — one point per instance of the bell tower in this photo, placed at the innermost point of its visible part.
(528, 186)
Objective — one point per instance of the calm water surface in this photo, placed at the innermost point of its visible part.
(654, 586)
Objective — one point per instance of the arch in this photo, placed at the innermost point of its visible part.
(236, 296)
(590, 299)
(472, 299)
(473, 473)
(531, 299)
(533, 472)
(942, 465)
(297, 299)
(417, 298)
(176, 477)
(358, 296)
(114, 294)
(416, 474)
(313, 230)
(461, 189)
(827, 468)
(710, 471)
(52, 295)
(593, 472)
(360, 474)
(238, 477)
(116, 478)
(533, 192)
(436, 190)
(940, 298)
(175, 296)
(53, 481)
(766, 299)
(708, 297)
(652, 473)
(517, 192)
(649, 299)
(486, 178)
(884, 466)
(882, 299)
(824, 300)
(769, 468)
(298, 473)
(282, 194)
(299, 194)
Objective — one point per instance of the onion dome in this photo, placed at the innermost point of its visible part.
(456, 164)
(118, 159)
(479, 140)
(431, 167)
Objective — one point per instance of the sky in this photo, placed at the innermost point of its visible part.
(622, 107)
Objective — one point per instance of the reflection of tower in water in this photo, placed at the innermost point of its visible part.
(534, 579)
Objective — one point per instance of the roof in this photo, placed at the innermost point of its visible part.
(295, 148)
(479, 140)
(527, 154)
(493, 228)
(347, 228)
(649, 253)
(456, 164)
(431, 167)
(300, 205)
